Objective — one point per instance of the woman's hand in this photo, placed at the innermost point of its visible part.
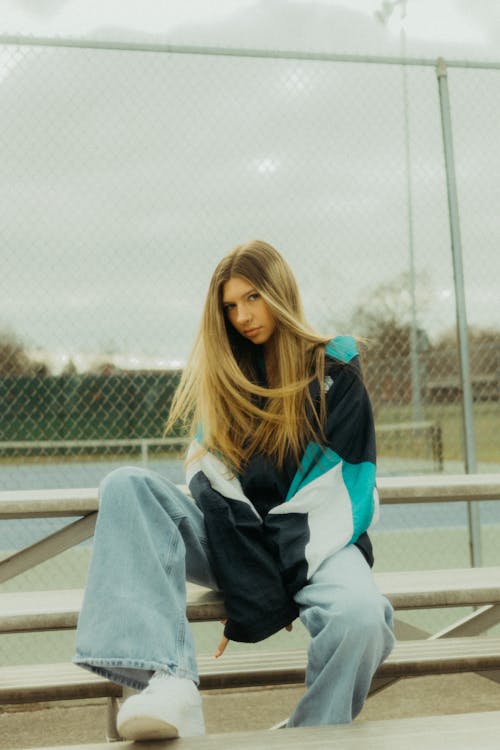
(224, 641)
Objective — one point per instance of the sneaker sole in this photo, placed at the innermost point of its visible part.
(147, 728)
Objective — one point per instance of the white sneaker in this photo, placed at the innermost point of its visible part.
(168, 707)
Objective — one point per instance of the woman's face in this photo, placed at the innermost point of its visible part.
(246, 311)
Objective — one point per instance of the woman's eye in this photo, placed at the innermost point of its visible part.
(253, 297)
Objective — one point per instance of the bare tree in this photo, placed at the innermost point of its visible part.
(14, 360)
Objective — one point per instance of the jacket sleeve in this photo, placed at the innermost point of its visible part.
(350, 433)
(256, 601)
(349, 424)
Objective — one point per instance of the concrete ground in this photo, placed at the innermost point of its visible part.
(81, 722)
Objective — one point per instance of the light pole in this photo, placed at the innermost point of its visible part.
(383, 16)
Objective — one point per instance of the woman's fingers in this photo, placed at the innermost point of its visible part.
(222, 643)
(221, 647)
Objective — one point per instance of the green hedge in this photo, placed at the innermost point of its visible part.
(85, 407)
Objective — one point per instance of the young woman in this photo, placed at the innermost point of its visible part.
(282, 472)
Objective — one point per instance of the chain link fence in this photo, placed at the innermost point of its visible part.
(127, 174)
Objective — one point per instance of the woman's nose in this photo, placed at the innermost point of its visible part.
(242, 314)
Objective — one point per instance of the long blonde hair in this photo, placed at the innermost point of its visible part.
(218, 390)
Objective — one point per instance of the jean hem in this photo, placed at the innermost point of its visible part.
(104, 668)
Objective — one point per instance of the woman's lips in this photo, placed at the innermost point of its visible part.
(251, 332)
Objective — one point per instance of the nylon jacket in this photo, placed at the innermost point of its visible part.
(331, 501)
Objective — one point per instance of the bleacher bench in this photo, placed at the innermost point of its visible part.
(472, 731)
(451, 650)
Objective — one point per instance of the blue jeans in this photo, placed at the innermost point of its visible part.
(150, 538)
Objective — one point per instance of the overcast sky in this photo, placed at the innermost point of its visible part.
(126, 175)
(462, 27)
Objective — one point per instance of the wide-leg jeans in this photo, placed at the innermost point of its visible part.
(150, 538)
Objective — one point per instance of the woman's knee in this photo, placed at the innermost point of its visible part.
(361, 619)
(134, 491)
(120, 484)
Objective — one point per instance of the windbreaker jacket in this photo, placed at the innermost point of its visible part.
(331, 501)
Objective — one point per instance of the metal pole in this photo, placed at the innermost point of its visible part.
(416, 388)
(456, 248)
(18, 40)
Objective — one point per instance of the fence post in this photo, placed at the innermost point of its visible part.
(458, 275)
(144, 452)
(437, 445)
